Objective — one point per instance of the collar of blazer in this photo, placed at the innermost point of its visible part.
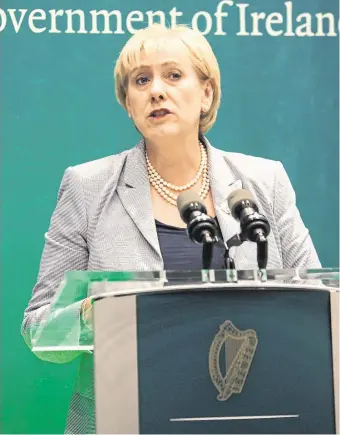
(134, 192)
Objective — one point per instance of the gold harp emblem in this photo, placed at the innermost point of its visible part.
(239, 351)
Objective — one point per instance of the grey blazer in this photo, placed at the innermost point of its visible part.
(103, 221)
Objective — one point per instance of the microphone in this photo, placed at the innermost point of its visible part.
(201, 227)
(243, 208)
(254, 226)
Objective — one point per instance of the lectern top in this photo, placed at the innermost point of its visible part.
(62, 328)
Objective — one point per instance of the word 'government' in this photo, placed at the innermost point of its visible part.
(248, 23)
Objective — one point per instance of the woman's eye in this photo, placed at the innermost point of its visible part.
(175, 75)
(141, 80)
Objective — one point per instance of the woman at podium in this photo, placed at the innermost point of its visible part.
(120, 212)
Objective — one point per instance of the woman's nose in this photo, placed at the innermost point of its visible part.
(157, 90)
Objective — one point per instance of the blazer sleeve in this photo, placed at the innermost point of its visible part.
(297, 247)
(65, 249)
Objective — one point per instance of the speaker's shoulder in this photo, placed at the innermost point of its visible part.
(251, 166)
(104, 167)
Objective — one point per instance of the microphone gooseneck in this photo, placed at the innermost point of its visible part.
(254, 226)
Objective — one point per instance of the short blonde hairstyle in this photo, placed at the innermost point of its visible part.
(158, 37)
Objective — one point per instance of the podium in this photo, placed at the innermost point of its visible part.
(211, 351)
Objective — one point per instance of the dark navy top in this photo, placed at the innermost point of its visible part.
(180, 253)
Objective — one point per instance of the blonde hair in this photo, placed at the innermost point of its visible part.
(157, 37)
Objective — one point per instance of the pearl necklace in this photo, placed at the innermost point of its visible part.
(166, 189)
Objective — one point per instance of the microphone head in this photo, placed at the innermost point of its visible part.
(187, 202)
(236, 198)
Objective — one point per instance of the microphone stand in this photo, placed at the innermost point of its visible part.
(207, 254)
(229, 263)
(208, 248)
(262, 250)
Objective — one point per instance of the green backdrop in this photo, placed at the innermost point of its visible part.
(280, 101)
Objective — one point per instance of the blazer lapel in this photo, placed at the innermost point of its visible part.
(223, 181)
(134, 192)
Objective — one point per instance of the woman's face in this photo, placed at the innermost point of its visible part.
(165, 96)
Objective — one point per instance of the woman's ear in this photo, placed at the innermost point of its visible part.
(208, 95)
